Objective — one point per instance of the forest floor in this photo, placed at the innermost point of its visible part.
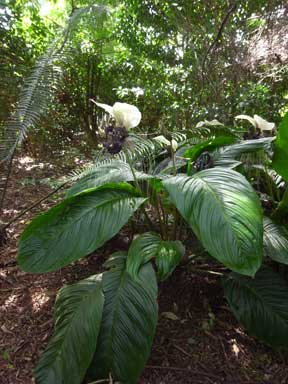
(197, 341)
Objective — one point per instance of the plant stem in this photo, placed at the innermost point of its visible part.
(173, 160)
(282, 209)
(7, 179)
(162, 229)
(147, 218)
(192, 269)
(33, 206)
(180, 229)
(175, 214)
(133, 172)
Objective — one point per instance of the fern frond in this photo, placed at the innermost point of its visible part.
(206, 132)
(36, 93)
(39, 87)
(32, 102)
(140, 151)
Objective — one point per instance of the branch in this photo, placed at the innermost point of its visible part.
(214, 43)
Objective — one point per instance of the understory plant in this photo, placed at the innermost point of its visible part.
(214, 187)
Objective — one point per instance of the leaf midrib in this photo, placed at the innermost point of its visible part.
(223, 211)
(88, 211)
(261, 299)
(71, 323)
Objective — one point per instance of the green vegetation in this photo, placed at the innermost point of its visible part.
(196, 149)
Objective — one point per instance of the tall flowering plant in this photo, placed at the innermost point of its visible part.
(104, 325)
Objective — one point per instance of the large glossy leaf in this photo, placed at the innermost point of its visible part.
(280, 159)
(208, 145)
(167, 254)
(224, 213)
(260, 304)
(78, 313)
(234, 151)
(97, 176)
(76, 227)
(275, 241)
(128, 324)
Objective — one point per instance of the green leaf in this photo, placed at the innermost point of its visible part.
(280, 159)
(128, 324)
(145, 247)
(99, 175)
(225, 214)
(168, 257)
(234, 151)
(76, 227)
(208, 145)
(275, 241)
(78, 313)
(142, 250)
(260, 304)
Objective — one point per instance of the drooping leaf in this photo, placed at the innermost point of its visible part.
(208, 145)
(78, 313)
(224, 213)
(145, 247)
(76, 227)
(128, 324)
(168, 257)
(102, 174)
(234, 151)
(275, 241)
(280, 159)
(260, 304)
(227, 163)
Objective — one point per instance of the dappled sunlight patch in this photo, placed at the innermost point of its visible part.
(26, 160)
(9, 302)
(235, 349)
(28, 163)
(10, 212)
(39, 299)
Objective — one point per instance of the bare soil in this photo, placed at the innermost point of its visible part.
(198, 340)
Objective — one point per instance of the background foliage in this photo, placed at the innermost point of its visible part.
(179, 62)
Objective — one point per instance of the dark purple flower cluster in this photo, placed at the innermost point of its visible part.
(204, 161)
(114, 139)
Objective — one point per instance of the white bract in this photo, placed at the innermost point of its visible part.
(161, 139)
(174, 145)
(257, 122)
(125, 115)
(207, 123)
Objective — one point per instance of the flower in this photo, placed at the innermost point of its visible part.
(173, 143)
(257, 122)
(126, 115)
